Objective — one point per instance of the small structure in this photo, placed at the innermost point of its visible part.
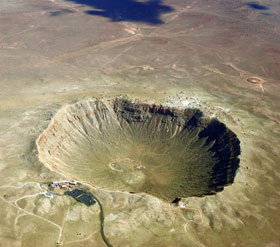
(64, 185)
(54, 185)
(182, 205)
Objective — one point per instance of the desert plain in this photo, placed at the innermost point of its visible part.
(221, 57)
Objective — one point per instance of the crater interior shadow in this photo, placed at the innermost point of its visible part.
(127, 10)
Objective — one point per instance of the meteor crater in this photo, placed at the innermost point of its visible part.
(118, 144)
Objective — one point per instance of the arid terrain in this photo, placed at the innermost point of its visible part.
(221, 57)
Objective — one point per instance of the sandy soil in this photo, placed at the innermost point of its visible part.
(200, 53)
